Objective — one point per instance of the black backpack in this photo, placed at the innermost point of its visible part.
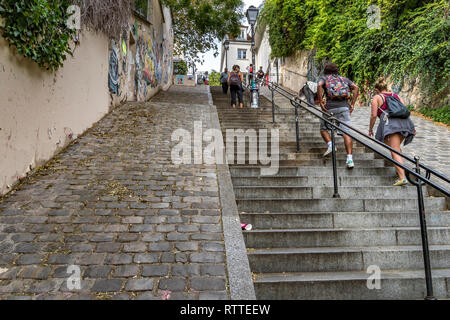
(395, 108)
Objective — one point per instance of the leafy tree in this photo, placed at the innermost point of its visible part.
(412, 41)
(180, 67)
(198, 24)
(214, 78)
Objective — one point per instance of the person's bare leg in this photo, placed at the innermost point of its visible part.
(348, 141)
(394, 141)
(327, 138)
(325, 135)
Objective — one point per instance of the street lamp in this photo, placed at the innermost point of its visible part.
(226, 46)
(252, 16)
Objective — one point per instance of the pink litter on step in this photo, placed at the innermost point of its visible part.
(246, 226)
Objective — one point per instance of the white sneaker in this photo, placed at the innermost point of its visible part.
(329, 151)
(350, 164)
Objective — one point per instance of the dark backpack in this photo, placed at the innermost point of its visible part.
(395, 108)
(337, 87)
(235, 80)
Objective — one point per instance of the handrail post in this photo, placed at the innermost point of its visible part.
(297, 129)
(423, 231)
(273, 105)
(333, 155)
(249, 98)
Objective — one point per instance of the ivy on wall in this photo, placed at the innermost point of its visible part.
(38, 30)
(412, 40)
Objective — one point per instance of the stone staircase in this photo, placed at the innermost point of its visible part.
(307, 245)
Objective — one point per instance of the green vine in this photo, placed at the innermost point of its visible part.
(411, 43)
(180, 67)
(38, 30)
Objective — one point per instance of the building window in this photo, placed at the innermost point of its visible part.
(242, 36)
(242, 54)
(141, 8)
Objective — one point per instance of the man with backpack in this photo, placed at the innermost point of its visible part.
(260, 73)
(341, 94)
(224, 81)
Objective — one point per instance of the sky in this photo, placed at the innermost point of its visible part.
(212, 63)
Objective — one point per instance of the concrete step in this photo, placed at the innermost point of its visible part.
(307, 245)
(342, 205)
(296, 192)
(343, 237)
(354, 181)
(254, 124)
(283, 117)
(302, 140)
(312, 172)
(262, 125)
(287, 155)
(317, 220)
(290, 145)
(395, 284)
(329, 259)
(326, 162)
(267, 114)
(320, 147)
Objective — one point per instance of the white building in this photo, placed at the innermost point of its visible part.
(239, 51)
(271, 66)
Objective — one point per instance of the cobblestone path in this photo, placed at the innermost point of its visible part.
(113, 204)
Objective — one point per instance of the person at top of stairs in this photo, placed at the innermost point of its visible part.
(339, 101)
(235, 80)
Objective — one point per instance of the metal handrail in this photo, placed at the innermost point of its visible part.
(296, 102)
(428, 169)
(419, 182)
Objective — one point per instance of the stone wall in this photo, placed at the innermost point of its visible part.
(294, 71)
(301, 67)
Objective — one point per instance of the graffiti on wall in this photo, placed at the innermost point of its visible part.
(139, 61)
(124, 54)
(113, 75)
(140, 82)
(148, 64)
(180, 79)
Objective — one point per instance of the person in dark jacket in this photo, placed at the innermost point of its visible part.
(224, 81)
(260, 74)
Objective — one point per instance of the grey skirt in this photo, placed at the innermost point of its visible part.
(388, 126)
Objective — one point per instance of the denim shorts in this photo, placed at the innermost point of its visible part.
(342, 114)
